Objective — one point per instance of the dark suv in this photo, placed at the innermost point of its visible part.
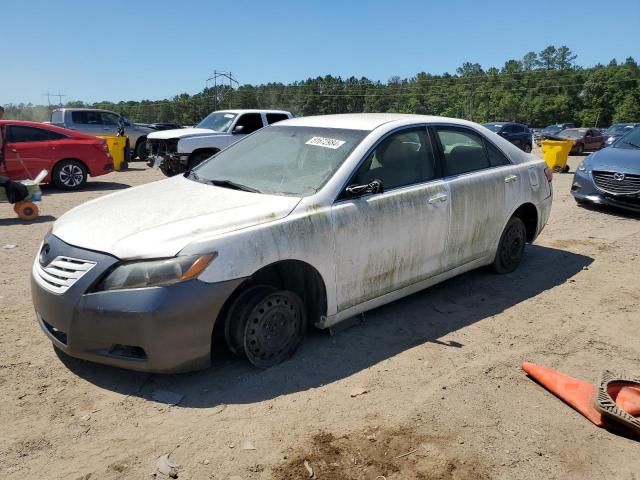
(516, 133)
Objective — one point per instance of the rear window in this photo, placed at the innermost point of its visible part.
(56, 117)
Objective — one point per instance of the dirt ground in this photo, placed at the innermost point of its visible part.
(441, 393)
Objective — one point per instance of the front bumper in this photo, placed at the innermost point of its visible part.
(584, 190)
(157, 329)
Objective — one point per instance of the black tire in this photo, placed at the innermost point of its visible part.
(141, 149)
(580, 149)
(527, 148)
(167, 170)
(69, 175)
(511, 246)
(266, 325)
(197, 158)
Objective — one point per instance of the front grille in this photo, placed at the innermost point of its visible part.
(607, 182)
(161, 147)
(62, 273)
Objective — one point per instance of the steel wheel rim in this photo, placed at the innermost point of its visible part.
(274, 330)
(71, 175)
(512, 246)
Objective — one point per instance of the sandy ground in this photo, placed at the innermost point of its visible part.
(445, 397)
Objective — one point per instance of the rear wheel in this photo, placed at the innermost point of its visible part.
(69, 175)
(580, 149)
(141, 149)
(511, 246)
(265, 324)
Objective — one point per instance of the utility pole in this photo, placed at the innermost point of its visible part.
(49, 95)
(60, 95)
(216, 75)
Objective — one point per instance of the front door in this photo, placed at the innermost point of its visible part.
(389, 240)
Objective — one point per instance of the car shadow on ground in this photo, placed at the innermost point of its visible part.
(424, 317)
(611, 210)
(88, 187)
(6, 222)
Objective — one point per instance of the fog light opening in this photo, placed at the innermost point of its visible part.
(127, 351)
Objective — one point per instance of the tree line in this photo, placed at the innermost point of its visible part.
(540, 89)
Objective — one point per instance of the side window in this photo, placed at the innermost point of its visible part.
(404, 158)
(109, 118)
(496, 157)
(517, 128)
(508, 129)
(56, 117)
(85, 117)
(463, 151)
(250, 122)
(20, 134)
(275, 117)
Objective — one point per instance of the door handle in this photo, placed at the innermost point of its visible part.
(14, 150)
(437, 198)
(511, 178)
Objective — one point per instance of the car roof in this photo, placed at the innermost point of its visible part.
(252, 110)
(45, 126)
(368, 121)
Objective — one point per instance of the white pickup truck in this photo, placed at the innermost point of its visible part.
(176, 151)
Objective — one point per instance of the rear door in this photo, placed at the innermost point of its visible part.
(388, 240)
(483, 185)
(29, 150)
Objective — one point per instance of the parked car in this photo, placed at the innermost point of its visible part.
(617, 130)
(102, 122)
(516, 133)
(69, 157)
(552, 130)
(586, 139)
(612, 175)
(310, 221)
(176, 151)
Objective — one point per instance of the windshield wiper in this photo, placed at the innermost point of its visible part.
(630, 143)
(232, 185)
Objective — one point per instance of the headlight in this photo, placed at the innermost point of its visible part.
(583, 167)
(153, 273)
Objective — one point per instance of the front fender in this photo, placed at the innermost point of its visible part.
(306, 236)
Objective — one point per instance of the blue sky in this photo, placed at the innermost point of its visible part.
(152, 49)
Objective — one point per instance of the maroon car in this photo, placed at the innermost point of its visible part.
(69, 156)
(586, 139)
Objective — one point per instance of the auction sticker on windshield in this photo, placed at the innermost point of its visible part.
(326, 142)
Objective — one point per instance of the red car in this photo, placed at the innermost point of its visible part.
(69, 156)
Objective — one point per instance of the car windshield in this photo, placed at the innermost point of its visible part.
(572, 133)
(620, 128)
(552, 129)
(281, 160)
(629, 141)
(217, 121)
(493, 127)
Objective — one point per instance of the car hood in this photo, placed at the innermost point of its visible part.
(161, 218)
(182, 133)
(613, 159)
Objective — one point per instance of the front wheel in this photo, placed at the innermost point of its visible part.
(527, 148)
(69, 175)
(197, 158)
(511, 246)
(267, 325)
(141, 150)
(580, 149)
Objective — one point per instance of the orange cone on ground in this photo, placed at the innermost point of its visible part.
(576, 393)
(627, 398)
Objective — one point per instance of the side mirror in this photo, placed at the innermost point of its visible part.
(358, 190)
(238, 129)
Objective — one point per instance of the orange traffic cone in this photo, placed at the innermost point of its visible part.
(578, 394)
(627, 398)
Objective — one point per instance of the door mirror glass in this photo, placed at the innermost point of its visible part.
(375, 186)
(238, 129)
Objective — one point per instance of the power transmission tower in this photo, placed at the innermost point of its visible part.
(59, 95)
(49, 95)
(216, 75)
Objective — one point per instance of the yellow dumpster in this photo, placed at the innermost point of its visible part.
(556, 154)
(117, 149)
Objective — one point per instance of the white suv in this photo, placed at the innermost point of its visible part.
(176, 151)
